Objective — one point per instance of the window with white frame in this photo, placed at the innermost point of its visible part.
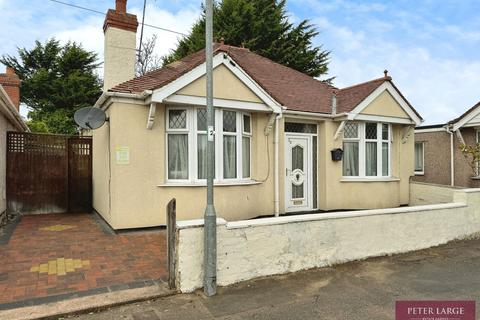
(367, 149)
(419, 158)
(187, 144)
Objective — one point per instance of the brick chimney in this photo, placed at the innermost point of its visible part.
(120, 30)
(11, 84)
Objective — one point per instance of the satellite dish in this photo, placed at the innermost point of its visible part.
(90, 118)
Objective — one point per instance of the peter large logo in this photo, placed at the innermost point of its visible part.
(435, 310)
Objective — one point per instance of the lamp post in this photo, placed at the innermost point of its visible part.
(210, 217)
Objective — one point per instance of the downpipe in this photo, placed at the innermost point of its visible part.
(277, 174)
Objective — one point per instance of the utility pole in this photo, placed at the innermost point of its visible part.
(210, 217)
(143, 24)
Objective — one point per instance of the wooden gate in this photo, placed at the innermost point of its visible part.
(48, 173)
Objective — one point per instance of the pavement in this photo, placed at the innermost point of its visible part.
(360, 290)
(55, 257)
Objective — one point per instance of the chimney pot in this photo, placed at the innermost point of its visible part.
(10, 71)
(385, 72)
(121, 6)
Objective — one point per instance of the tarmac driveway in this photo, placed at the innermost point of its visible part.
(46, 258)
(361, 290)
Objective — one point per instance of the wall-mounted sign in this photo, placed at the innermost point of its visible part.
(211, 133)
(122, 155)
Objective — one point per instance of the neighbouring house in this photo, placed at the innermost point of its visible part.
(10, 120)
(279, 137)
(438, 155)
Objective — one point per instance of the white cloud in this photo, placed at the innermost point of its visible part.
(348, 6)
(439, 88)
(180, 21)
(90, 35)
(90, 32)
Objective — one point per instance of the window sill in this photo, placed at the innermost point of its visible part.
(419, 173)
(373, 179)
(475, 178)
(216, 184)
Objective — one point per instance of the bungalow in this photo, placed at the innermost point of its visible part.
(438, 155)
(285, 142)
(10, 120)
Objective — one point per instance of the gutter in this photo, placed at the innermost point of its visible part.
(316, 115)
(108, 94)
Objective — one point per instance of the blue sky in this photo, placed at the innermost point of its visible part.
(431, 48)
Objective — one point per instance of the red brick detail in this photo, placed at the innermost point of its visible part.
(121, 6)
(119, 18)
(115, 260)
(11, 84)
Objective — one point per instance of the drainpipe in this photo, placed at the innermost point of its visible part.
(277, 174)
(452, 164)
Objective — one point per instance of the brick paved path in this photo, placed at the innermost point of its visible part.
(63, 255)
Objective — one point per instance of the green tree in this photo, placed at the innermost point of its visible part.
(471, 154)
(263, 27)
(57, 80)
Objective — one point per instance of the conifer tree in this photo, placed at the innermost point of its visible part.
(263, 27)
(57, 80)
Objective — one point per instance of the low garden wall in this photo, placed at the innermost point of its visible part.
(426, 193)
(262, 247)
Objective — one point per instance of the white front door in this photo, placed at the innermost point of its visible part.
(298, 180)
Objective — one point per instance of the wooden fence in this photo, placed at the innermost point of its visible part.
(48, 173)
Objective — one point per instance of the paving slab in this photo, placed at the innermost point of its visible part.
(53, 257)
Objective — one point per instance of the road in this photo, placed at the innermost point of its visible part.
(360, 290)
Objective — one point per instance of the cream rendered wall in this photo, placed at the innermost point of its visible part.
(427, 193)
(337, 194)
(385, 105)
(139, 193)
(119, 57)
(101, 169)
(225, 86)
(5, 126)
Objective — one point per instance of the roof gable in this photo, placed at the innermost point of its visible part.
(350, 97)
(387, 85)
(385, 105)
(471, 117)
(288, 87)
(225, 86)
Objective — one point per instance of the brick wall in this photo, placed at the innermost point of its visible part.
(437, 159)
(11, 84)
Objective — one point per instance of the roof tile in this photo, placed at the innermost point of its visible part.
(291, 88)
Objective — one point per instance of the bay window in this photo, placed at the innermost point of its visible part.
(187, 144)
(367, 149)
